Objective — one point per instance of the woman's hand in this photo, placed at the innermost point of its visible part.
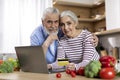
(70, 66)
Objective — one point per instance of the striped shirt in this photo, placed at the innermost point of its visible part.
(78, 50)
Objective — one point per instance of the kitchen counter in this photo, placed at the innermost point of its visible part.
(39, 76)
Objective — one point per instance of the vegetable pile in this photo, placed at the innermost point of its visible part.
(9, 65)
(103, 68)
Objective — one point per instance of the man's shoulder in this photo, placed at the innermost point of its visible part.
(38, 29)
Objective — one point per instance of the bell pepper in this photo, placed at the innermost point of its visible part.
(107, 61)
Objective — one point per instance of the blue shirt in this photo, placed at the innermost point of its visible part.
(38, 37)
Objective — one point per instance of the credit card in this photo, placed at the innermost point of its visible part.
(63, 61)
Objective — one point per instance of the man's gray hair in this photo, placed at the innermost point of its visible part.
(71, 14)
(50, 10)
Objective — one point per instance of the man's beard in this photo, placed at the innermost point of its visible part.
(50, 30)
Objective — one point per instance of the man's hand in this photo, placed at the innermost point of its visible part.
(49, 66)
(94, 40)
(50, 39)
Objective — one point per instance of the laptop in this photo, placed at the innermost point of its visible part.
(32, 59)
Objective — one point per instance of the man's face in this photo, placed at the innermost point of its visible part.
(51, 23)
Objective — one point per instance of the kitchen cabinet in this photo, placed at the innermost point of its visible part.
(91, 17)
(101, 17)
(108, 32)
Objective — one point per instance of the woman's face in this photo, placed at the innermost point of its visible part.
(68, 26)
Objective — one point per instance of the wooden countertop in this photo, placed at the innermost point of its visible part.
(39, 76)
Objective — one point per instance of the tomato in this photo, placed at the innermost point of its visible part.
(68, 71)
(81, 71)
(58, 75)
(73, 74)
(74, 71)
(107, 73)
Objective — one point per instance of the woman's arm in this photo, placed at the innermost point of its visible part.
(60, 54)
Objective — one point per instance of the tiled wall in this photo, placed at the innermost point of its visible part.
(110, 41)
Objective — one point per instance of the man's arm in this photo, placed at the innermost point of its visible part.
(48, 41)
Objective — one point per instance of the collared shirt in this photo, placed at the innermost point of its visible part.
(38, 37)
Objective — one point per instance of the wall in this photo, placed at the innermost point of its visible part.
(112, 14)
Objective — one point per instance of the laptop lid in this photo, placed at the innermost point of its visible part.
(32, 59)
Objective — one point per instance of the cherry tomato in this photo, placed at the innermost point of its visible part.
(58, 75)
(68, 71)
(81, 71)
(107, 73)
(73, 74)
(74, 71)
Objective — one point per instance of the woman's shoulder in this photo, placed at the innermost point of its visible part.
(86, 34)
(85, 31)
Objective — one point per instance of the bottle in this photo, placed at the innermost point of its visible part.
(4, 57)
(101, 50)
(115, 53)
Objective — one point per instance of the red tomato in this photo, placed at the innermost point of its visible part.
(68, 71)
(107, 73)
(81, 71)
(74, 71)
(1, 61)
(58, 75)
(73, 74)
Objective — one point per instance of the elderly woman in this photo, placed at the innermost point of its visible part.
(76, 45)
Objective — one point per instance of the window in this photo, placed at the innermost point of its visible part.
(18, 18)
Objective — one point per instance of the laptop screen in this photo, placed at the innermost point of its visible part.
(32, 59)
